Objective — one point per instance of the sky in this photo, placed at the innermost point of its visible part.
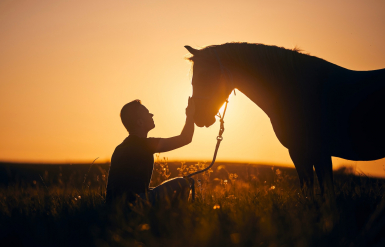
(67, 67)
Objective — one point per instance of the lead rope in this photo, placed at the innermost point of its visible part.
(229, 76)
(219, 139)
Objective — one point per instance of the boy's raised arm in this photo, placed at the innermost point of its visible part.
(185, 137)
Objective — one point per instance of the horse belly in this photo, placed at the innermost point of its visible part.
(367, 127)
(360, 130)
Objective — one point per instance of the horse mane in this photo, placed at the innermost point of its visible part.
(249, 55)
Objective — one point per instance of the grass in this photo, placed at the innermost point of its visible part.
(234, 206)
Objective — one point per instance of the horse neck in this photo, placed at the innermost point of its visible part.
(269, 83)
(259, 85)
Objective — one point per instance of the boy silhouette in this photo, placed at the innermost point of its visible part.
(133, 160)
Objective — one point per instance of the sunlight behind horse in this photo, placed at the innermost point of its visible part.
(223, 106)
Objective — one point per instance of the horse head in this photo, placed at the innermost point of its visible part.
(212, 84)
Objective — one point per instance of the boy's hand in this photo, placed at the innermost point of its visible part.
(190, 110)
(168, 144)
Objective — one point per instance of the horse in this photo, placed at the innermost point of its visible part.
(317, 109)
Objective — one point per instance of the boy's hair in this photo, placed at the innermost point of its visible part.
(130, 113)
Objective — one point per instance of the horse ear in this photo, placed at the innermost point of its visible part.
(191, 50)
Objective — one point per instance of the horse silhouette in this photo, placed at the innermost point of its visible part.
(317, 109)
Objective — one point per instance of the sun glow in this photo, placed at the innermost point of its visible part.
(224, 104)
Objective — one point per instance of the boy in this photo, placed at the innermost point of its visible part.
(133, 160)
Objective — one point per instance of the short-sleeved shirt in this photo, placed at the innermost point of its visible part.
(131, 167)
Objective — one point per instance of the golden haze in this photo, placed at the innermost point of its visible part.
(67, 67)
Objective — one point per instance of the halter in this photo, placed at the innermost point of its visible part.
(221, 128)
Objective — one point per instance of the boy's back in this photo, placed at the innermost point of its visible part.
(131, 167)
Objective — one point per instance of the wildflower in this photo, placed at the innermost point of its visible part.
(235, 176)
(144, 227)
(116, 237)
(202, 166)
(79, 197)
(199, 182)
(235, 238)
(220, 167)
(216, 206)
(272, 187)
(278, 172)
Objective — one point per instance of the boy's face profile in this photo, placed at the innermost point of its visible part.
(145, 119)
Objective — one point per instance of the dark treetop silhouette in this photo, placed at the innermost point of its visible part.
(317, 109)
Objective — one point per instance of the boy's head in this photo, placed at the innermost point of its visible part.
(136, 116)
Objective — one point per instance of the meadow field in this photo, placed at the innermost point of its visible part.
(235, 205)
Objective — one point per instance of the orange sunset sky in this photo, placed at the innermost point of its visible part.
(67, 67)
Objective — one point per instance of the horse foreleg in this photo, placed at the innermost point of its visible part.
(304, 167)
(324, 170)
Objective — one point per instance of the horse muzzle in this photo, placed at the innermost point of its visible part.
(204, 122)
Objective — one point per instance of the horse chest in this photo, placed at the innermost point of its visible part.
(299, 122)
